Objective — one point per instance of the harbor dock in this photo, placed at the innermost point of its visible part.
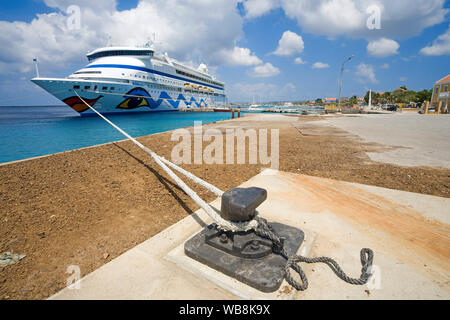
(337, 218)
(111, 211)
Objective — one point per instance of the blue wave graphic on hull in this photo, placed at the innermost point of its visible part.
(139, 97)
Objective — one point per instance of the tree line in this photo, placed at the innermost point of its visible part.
(400, 95)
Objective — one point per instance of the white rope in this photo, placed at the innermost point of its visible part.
(221, 223)
(194, 178)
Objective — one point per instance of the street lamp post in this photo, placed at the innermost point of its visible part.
(340, 80)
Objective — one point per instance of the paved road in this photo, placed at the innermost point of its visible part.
(425, 138)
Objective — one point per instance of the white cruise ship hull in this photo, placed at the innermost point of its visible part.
(113, 97)
(133, 79)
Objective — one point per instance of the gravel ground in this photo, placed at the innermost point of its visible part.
(88, 206)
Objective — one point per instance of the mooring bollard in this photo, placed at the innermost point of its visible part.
(247, 256)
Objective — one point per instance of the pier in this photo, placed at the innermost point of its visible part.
(58, 210)
(335, 215)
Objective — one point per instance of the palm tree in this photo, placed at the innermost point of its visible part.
(387, 97)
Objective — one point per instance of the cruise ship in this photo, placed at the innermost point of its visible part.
(134, 79)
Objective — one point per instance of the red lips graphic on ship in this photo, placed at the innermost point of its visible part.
(76, 104)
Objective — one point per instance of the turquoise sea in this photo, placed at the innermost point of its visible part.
(27, 132)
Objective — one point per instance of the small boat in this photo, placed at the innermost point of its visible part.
(255, 108)
(222, 109)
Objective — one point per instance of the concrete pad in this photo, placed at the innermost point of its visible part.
(431, 207)
(419, 140)
(411, 246)
(411, 252)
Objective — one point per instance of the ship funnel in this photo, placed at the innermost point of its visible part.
(202, 67)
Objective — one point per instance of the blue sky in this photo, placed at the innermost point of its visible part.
(408, 67)
(252, 45)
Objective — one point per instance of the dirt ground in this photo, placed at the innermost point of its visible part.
(88, 206)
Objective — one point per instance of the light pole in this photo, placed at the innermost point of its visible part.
(340, 80)
(36, 66)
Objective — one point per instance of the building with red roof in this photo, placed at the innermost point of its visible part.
(445, 79)
(441, 93)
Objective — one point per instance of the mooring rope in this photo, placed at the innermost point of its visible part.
(161, 161)
(265, 230)
(259, 224)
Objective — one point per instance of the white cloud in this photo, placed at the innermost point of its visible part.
(365, 73)
(382, 48)
(289, 86)
(190, 31)
(289, 44)
(299, 60)
(212, 29)
(440, 46)
(325, 17)
(399, 18)
(408, 59)
(320, 65)
(264, 71)
(257, 8)
(240, 57)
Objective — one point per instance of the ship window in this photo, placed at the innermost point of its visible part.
(120, 53)
(105, 88)
(87, 87)
(76, 87)
(88, 72)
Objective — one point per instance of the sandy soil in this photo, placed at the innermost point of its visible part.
(88, 206)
